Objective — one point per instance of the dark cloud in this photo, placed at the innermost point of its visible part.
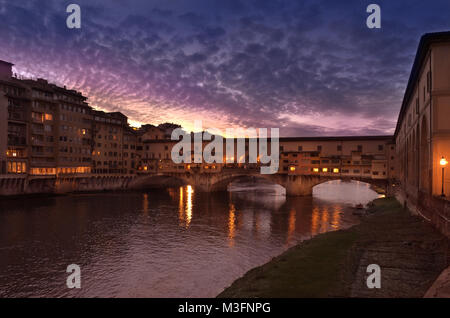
(308, 67)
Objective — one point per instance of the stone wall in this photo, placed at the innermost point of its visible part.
(433, 209)
(437, 210)
(19, 185)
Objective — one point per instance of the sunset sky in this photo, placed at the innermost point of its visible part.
(309, 67)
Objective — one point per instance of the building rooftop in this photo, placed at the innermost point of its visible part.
(6, 63)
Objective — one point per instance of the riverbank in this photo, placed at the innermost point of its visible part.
(410, 252)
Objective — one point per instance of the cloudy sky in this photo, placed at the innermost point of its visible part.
(309, 67)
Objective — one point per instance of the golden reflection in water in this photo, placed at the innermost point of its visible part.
(336, 218)
(172, 194)
(324, 221)
(145, 204)
(189, 191)
(256, 224)
(231, 224)
(291, 226)
(315, 221)
(181, 207)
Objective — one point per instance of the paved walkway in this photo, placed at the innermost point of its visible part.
(409, 251)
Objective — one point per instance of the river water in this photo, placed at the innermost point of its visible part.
(160, 243)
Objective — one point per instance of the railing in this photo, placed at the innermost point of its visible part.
(37, 120)
(38, 153)
(17, 141)
(37, 131)
(16, 116)
(37, 142)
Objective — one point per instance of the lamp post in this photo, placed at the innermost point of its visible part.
(443, 163)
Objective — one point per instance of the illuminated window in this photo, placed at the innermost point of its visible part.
(48, 117)
(292, 168)
(316, 169)
(43, 171)
(14, 153)
(324, 169)
(336, 170)
(17, 167)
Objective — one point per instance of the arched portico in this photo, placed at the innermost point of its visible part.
(424, 156)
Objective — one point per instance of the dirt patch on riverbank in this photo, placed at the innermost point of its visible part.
(409, 251)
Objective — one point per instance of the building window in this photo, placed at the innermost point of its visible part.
(17, 167)
(339, 148)
(319, 148)
(380, 148)
(300, 148)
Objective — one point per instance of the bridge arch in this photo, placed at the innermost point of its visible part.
(378, 185)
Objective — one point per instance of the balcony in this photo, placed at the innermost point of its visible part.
(38, 153)
(37, 131)
(36, 142)
(19, 116)
(17, 141)
(37, 120)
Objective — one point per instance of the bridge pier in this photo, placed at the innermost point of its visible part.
(297, 186)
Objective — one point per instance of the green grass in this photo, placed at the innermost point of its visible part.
(310, 269)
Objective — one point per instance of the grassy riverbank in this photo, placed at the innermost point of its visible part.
(410, 252)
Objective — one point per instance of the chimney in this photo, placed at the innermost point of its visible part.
(5, 69)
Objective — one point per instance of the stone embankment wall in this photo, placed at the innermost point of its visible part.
(18, 185)
(435, 210)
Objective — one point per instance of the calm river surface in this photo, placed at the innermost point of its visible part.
(160, 243)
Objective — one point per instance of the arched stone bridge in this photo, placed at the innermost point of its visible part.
(295, 185)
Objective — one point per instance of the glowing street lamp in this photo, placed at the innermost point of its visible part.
(443, 163)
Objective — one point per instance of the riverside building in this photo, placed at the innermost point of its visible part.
(48, 130)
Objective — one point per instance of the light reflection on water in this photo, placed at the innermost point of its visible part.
(160, 243)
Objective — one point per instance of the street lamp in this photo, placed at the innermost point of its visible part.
(443, 163)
